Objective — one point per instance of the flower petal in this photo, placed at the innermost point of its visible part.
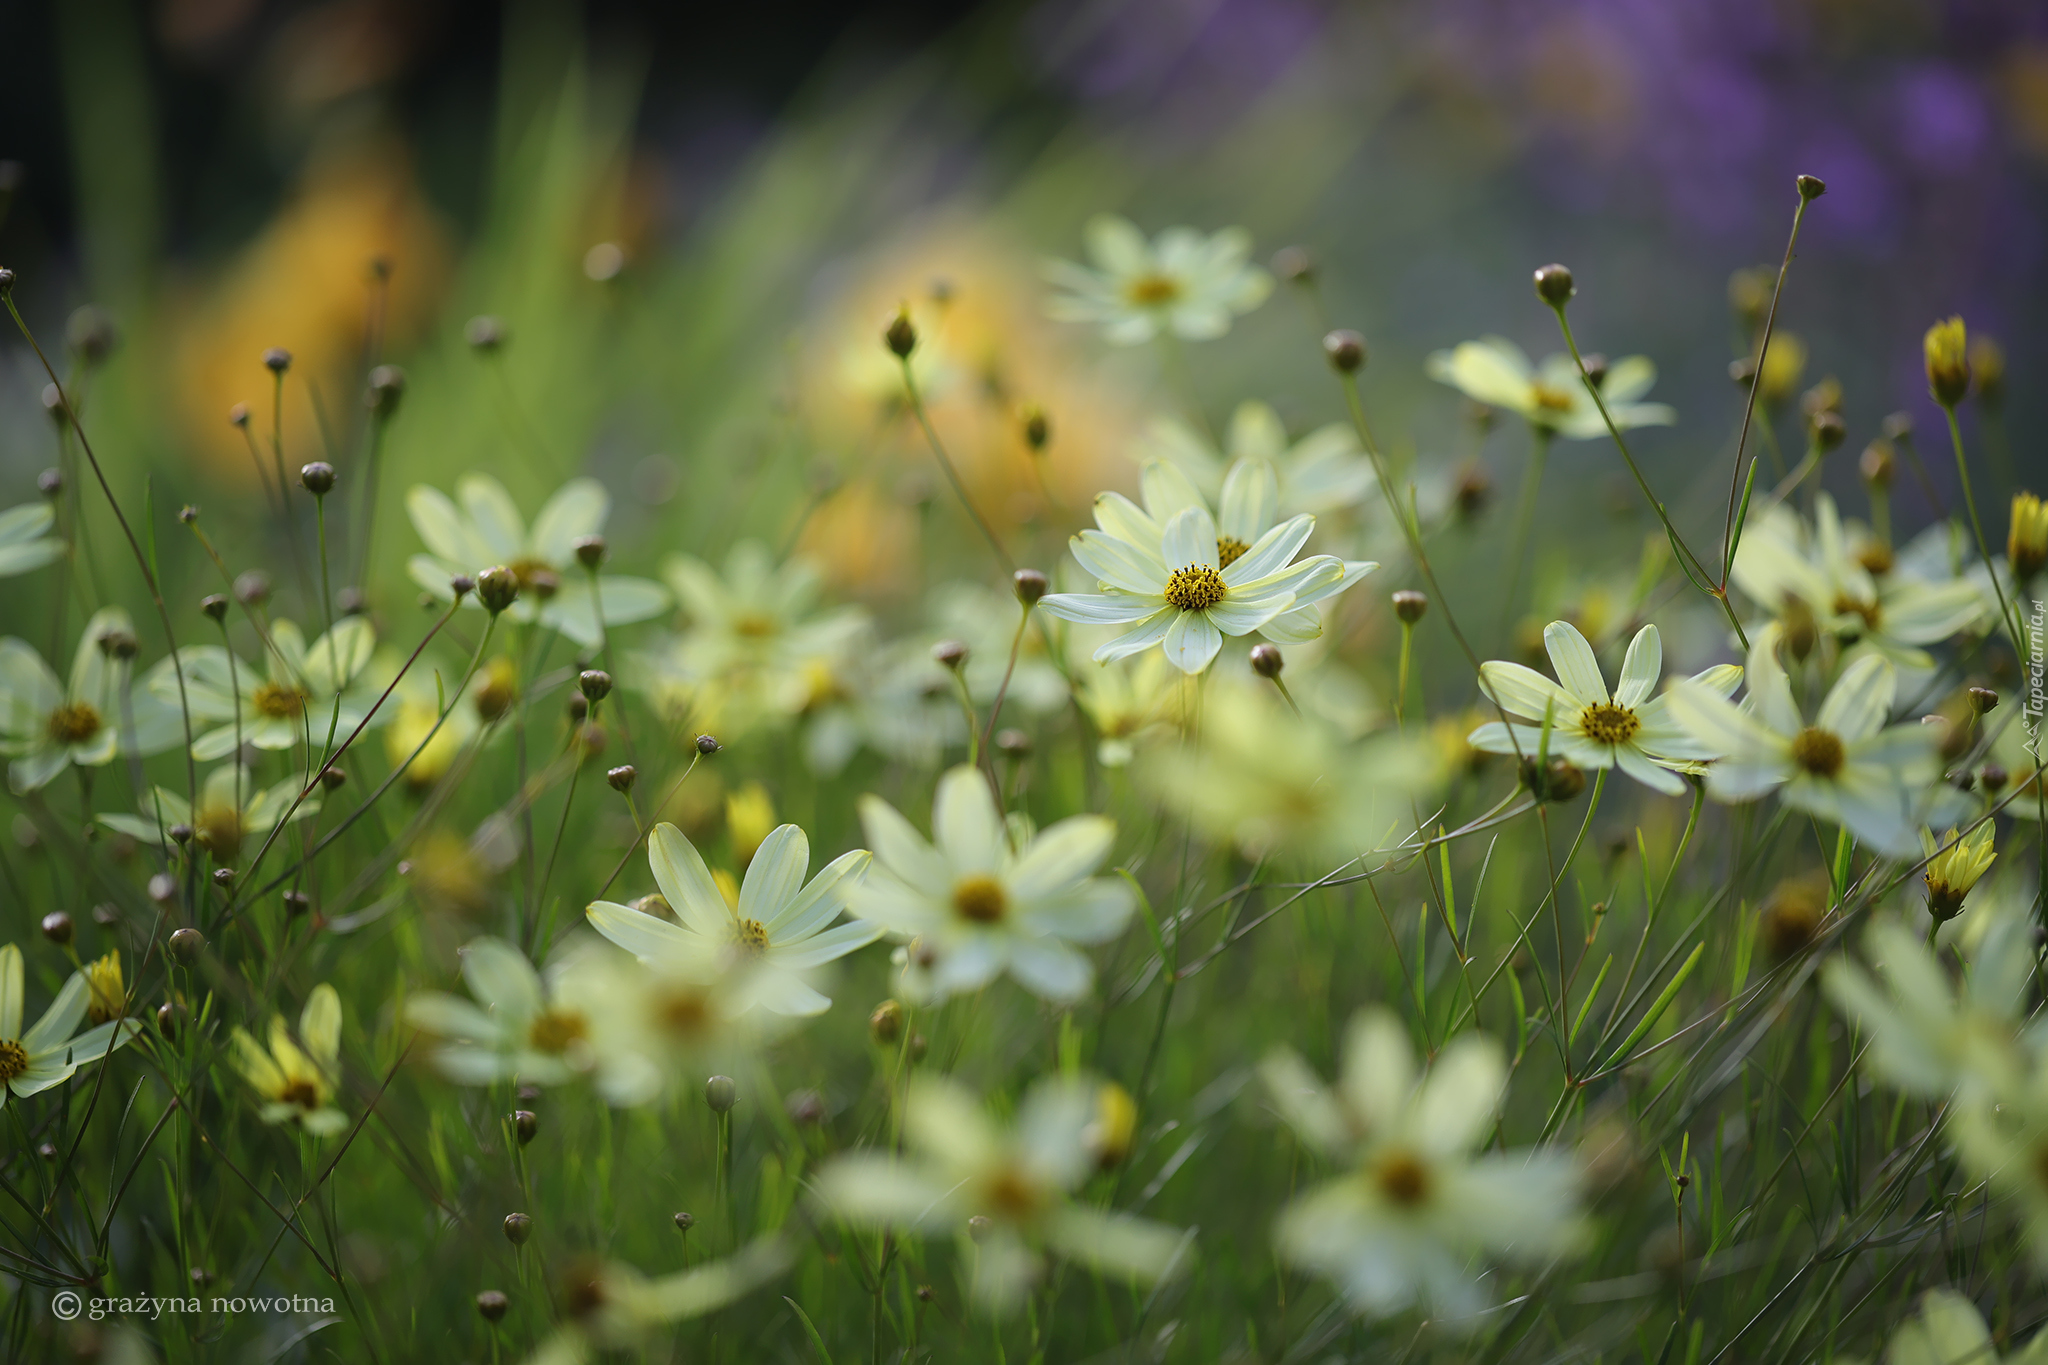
(1192, 641)
(1641, 668)
(1578, 672)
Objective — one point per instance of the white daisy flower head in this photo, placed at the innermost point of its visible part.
(1847, 766)
(1182, 585)
(48, 723)
(783, 926)
(519, 1024)
(288, 702)
(1181, 283)
(1325, 471)
(25, 540)
(1926, 1037)
(1415, 1208)
(295, 1079)
(52, 1051)
(1550, 397)
(1948, 1330)
(555, 589)
(232, 809)
(1006, 1193)
(982, 899)
(1591, 727)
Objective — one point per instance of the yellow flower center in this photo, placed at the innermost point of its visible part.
(1871, 612)
(554, 1030)
(751, 936)
(1550, 399)
(1229, 549)
(74, 722)
(1195, 588)
(684, 1012)
(1401, 1179)
(536, 577)
(13, 1059)
(1604, 723)
(753, 625)
(1818, 751)
(276, 701)
(300, 1093)
(1876, 558)
(1011, 1195)
(979, 899)
(1152, 291)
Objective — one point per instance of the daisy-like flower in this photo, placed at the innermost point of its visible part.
(1550, 397)
(1954, 866)
(539, 1031)
(296, 1084)
(48, 724)
(1591, 727)
(1127, 703)
(290, 702)
(49, 1053)
(1180, 283)
(25, 539)
(231, 809)
(1950, 1331)
(1183, 587)
(1847, 766)
(759, 647)
(1322, 472)
(1926, 1038)
(1893, 613)
(988, 899)
(1005, 1194)
(782, 924)
(1415, 1207)
(610, 1306)
(554, 588)
(107, 989)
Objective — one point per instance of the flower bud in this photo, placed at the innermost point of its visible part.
(1742, 373)
(252, 589)
(462, 585)
(180, 833)
(621, 778)
(1294, 265)
(1994, 777)
(1595, 366)
(1826, 430)
(925, 1294)
(1030, 585)
(1014, 745)
(492, 1305)
(685, 1221)
(706, 744)
(721, 1093)
(805, 1107)
(277, 360)
(979, 1227)
(484, 333)
(333, 778)
(387, 386)
(317, 478)
(518, 1227)
(1410, 605)
(1811, 187)
(57, 928)
(186, 945)
(163, 887)
(2026, 542)
(594, 683)
(1267, 661)
(916, 1048)
(1345, 350)
(497, 588)
(590, 551)
(885, 1025)
(1946, 349)
(50, 483)
(90, 332)
(1560, 781)
(224, 878)
(1036, 428)
(579, 706)
(167, 1020)
(1474, 488)
(1554, 285)
(105, 915)
(1983, 700)
(6, 279)
(900, 336)
(214, 605)
(1749, 294)
(524, 1125)
(296, 903)
(351, 602)
(951, 653)
(120, 644)
(1879, 462)
(1987, 367)
(1115, 1124)
(238, 416)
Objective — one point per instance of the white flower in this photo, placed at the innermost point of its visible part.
(1180, 283)
(1494, 371)
(1322, 472)
(49, 725)
(554, 588)
(1950, 1331)
(610, 1306)
(1846, 767)
(1925, 1037)
(780, 925)
(542, 1031)
(1414, 1207)
(1590, 727)
(297, 1084)
(289, 702)
(1183, 587)
(980, 904)
(49, 1054)
(231, 809)
(25, 542)
(1892, 613)
(1019, 1181)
